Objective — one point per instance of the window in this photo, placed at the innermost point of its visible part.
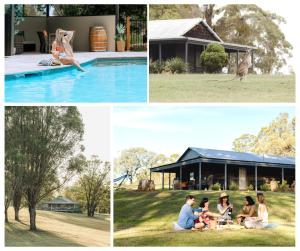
(34, 10)
(192, 177)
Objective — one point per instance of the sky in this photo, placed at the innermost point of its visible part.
(96, 139)
(171, 129)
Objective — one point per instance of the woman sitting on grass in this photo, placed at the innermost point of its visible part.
(249, 210)
(208, 218)
(263, 215)
(262, 220)
(225, 209)
(62, 50)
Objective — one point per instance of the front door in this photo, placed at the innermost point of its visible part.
(242, 178)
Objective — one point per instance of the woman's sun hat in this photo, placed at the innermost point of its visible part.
(224, 195)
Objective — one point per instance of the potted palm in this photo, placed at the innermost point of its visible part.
(120, 37)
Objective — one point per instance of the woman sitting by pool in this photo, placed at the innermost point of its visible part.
(62, 50)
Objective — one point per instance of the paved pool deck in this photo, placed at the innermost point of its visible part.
(28, 62)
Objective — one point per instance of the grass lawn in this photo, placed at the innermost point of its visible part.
(145, 219)
(217, 88)
(58, 229)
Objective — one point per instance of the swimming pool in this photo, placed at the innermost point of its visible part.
(105, 80)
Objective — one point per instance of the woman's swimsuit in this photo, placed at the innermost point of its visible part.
(62, 54)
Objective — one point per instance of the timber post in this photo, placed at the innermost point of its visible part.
(128, 33)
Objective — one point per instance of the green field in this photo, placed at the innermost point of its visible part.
(58, 229)
(145, 219)
(220, 88)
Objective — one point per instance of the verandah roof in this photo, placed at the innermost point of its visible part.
(195, 155)
(61, 200)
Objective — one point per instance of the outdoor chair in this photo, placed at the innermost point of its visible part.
(18, 42)
(191, 185)
(23, 45)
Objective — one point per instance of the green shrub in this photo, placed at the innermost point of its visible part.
(265, 187)
(250, 187)
(233, 186)
(176, 65)
(214, 58)
(216, 186)
(284, 186)
(156, 67)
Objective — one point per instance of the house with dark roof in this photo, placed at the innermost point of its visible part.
(198, 168)
(187, 38)
(61, 204)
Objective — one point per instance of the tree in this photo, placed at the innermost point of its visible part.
(8, 193)
(14, 160)
(133, 10)
(208, 13)
(173, 11)
(277, 138)
(245, 143)
(251, 25)
(214, 58)
(48, 143)
(137, 161)
(93, 181)
(173, 158)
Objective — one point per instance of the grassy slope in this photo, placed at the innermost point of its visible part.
(217, 88)
(145, 219)
(58, 229)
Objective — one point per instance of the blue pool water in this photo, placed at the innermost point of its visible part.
(118, 80)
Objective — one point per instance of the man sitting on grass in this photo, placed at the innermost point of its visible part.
(187, 216)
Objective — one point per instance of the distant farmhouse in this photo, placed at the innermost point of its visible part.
(61, 204)
(199, 168)
(186, 38)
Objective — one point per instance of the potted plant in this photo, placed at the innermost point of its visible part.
(120, 37)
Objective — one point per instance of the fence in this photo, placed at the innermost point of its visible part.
(136, 34)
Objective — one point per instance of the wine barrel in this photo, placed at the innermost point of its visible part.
(98, 38)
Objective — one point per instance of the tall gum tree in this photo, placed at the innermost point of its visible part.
(48, 139)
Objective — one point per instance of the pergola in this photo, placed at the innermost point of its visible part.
(196, 158)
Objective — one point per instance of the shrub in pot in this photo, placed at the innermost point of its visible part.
(120, 37)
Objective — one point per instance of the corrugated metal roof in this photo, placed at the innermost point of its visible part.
(61, 200)
(240, 156)
(174, 28)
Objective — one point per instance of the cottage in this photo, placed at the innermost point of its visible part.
(186, 38)
(199, 168)
(61, 204)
